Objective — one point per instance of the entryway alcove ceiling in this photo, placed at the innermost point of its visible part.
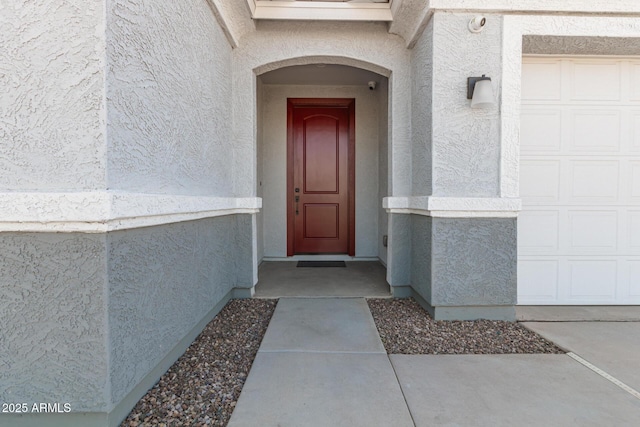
(320, 74)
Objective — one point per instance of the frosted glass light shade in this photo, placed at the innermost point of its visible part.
(482, 94)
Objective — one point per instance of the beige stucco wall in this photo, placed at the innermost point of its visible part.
(273, 155)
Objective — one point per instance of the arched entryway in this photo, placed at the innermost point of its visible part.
(322, 82)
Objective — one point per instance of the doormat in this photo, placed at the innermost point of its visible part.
(321, 264)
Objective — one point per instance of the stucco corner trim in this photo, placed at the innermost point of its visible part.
(454, 207)
(103, 211)
(223, 21)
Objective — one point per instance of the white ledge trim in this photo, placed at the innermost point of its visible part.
(339, 11)
(625, 7)
(103, 211)
(454, 207)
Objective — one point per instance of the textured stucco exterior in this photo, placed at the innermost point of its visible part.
(162, 282)
(260, 167)
(473, 262)
(421, 255)
(467, 263)
(53, 339)
(399, 252)
(169, 92)
(466, 142)
(126, 126)
(86, 317)
(274, 167)
(421, 113)
(52, 118)
(457, 155)
(383, 166)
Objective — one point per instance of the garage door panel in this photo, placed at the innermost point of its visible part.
(635, 131)
(579, 231)
(593, 181)
(538, 231)
(539, 281)
(592, 280)
(540, 180)
(635, 81)
(595, 130)
(634, 231)
(536, 89)
(634, 279)
(593, 231)
(585, 74)
(634, 181)
(541, 130)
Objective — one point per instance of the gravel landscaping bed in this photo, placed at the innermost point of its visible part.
(202, 387)
(406, 328)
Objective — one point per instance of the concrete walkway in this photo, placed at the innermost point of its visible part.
(322, 363)
(359, 279)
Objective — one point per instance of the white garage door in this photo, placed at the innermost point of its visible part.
(579, 231)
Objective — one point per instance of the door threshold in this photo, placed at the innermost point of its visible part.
(328, 257)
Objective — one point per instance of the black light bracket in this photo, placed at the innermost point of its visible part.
(471, 84)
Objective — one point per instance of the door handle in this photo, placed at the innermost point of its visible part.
(297, 199)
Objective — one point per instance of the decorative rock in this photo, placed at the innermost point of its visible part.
(202, 387)
(406, 328)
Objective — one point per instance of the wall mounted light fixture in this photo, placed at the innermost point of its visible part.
(480, 91)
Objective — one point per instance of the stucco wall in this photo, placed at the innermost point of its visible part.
(421, 112)
(169, 96)
(465, 263)
(421, 254)
(235, 17)
(399, 251)
(466, 142)
(383, 165)
(53, 338)
(170, 132)
(85, 317)
(473, 261)
(51, 103)
(162, 281)
(259, 168)
(274, 166)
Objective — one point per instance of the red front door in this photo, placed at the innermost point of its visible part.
(321, 176)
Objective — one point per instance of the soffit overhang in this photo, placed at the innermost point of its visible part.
(405, 18)
(331, 10)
